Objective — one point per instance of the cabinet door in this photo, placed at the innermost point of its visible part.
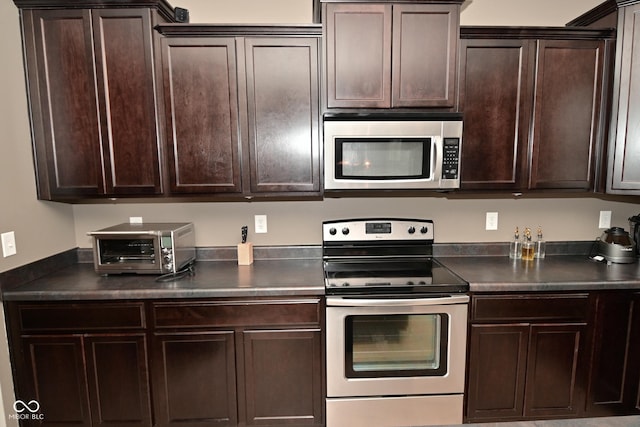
(201, 110)
(53, 374)
(614, 378)
(194, 379)
(566, 114)
(63, 104)
(283, 114)
(358, 55)
(118, 378)
(92, 105)
(624, 147)
(554, 371)
(496, 371)
(126, 93)
(283, 377)
(424, 59)
(496, 85)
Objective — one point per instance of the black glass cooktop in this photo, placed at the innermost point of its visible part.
(391, 276)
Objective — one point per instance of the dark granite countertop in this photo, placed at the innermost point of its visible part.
(623, 421)
(304, 276)
(553, 273)
(212, 279)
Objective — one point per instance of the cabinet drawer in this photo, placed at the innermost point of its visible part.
(303, 312)
(533, 307)
(81, 317)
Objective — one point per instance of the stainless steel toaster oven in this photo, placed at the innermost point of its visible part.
(147, 248)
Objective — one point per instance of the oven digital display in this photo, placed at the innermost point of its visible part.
(378, 228)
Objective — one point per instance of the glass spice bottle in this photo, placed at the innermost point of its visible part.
(528, 247)
(540, 245)
(515, 247)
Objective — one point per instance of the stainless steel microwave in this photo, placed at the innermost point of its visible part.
(383, 151)
(148, 248)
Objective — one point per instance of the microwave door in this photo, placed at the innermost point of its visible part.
(384, 162)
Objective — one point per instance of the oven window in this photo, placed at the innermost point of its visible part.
(120, 251)
(396, 345)
(383, 158)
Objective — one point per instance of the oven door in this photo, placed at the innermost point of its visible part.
(396, 346)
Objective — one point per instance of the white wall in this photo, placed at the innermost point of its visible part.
(456, 220)
(474, 12)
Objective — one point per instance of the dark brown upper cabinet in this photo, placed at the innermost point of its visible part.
(92, 101)
(533, 102)
(391, 54)
(242, 109)
(624, 146)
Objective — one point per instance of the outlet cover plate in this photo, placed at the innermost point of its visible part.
(260, 223)
(605, 219)
(8, 244)
(491, 222)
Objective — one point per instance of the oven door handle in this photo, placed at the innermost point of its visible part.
(397, 302)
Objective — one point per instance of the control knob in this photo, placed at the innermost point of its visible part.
(411, 230)
(345, 230)
(424, 230)
(333, 231)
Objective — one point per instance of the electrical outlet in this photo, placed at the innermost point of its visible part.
(135, 220)
(605, 219)
(491, 222)
(260, 223)
(8, 244)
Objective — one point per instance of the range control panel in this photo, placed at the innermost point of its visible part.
(363, 230)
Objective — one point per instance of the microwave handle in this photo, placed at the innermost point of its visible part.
(397, 302)
(434, 162)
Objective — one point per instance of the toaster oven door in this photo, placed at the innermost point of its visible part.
(127, 254)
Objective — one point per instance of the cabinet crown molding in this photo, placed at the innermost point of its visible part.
(562, 33)
(163, 6)
(398, 1)
(194, 30)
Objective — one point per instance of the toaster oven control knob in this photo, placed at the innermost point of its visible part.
(333, 231)
(424, 230)
(411, 230)
(345, 230)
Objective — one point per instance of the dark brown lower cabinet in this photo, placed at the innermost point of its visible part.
(240, 362)
(196, 363)
(614, 380)
(86, 364)
(527, 356)
(86, 379)
(195, 379)
(283, 377)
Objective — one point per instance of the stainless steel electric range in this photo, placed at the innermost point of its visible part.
(396, 325)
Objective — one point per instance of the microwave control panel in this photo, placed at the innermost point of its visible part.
(450, 158)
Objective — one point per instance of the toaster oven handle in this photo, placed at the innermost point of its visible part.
(396, 302)
(124, 233)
